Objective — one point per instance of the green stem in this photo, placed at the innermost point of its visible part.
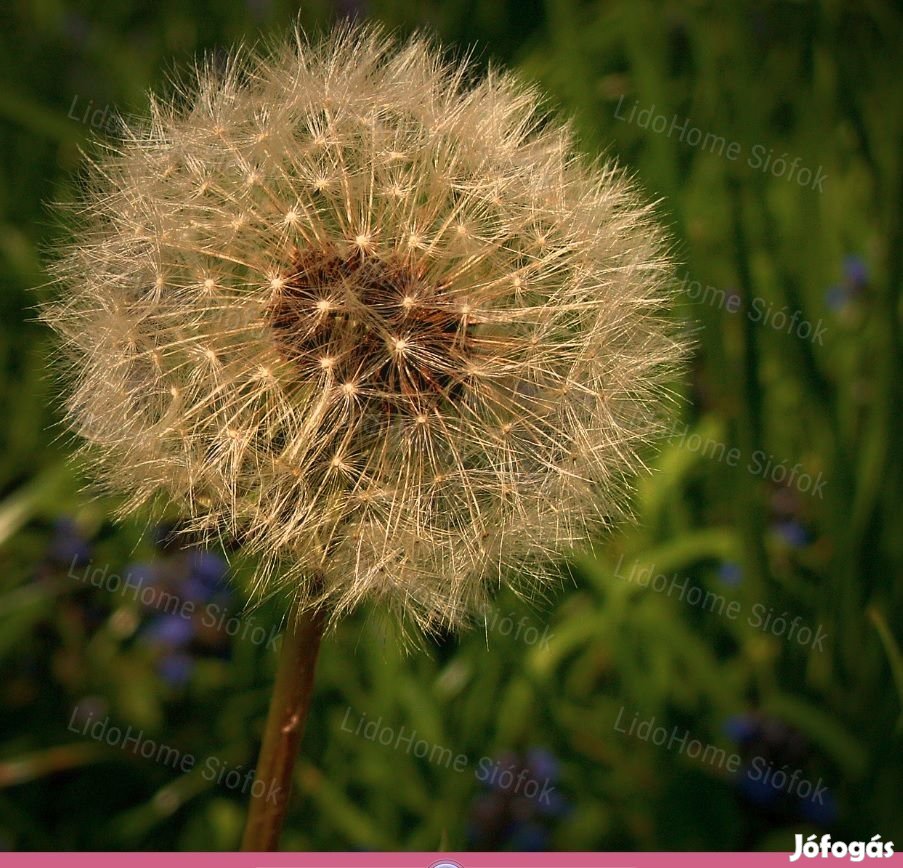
(285, 723)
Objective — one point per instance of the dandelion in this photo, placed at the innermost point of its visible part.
(378, 321)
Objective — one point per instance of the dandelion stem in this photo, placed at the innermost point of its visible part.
(287, 716)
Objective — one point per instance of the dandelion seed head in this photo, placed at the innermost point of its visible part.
(389, 328)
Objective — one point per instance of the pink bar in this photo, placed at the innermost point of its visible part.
(415, 860)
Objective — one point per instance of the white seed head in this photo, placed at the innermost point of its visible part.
(434, 346)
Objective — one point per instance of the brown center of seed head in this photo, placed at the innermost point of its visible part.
(378, 329)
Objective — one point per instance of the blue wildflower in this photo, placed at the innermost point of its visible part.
(740, 728)
(792, 533)
(543, 764)
(143, 574)
(855, 272)
(837, 297)
(855, 280)
(68, 544)
(206, 575)
(175, 669)
(769, 743)
(517, 811)
(757, 790)
(169, 630)
(730, 573)
(820, 808)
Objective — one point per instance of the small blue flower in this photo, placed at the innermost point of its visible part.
(143, 574)
(855, 271)
(821, 810)
(792, 532)
(543, 764)
(175, 669)
(172, 631)
(68, 545)
(730, 573)
(207, 568)
(757, 790)
(518, 816)
(837, 297)
(552, 804)
(740, 728)
(855, 279)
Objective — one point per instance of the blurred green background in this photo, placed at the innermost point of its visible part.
(722, 675)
